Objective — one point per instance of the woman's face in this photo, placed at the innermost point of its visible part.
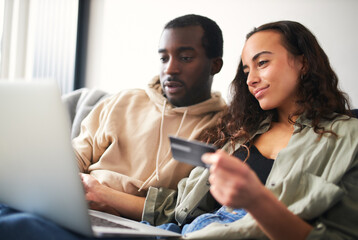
(272, 72)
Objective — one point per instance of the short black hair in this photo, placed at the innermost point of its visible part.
(212, 39)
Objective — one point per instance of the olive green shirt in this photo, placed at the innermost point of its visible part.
(316, 179)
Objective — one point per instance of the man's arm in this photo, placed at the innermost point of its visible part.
(106, 198)
(161, 205)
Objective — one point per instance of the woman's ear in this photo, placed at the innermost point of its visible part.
(217, 64)
(304, 68)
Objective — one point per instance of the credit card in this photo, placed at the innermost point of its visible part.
(189, 152)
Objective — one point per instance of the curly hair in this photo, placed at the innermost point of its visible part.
(318, 95)
(212, 39)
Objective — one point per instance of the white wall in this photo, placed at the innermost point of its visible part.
(124, 36)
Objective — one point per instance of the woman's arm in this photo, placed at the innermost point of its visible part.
(340, 221)
(235, 185)
(276, 220)
(189, 200)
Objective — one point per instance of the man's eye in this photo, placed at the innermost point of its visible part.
(163, 59)
(186, 59)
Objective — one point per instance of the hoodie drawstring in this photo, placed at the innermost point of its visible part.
(160, 141)
(157, 164)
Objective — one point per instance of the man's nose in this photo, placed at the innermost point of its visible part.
(172, 67)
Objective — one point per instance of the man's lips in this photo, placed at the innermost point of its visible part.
(259, 92)
(173, 86)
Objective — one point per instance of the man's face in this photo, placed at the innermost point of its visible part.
(185, 70)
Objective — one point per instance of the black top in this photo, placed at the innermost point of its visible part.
(257, 162)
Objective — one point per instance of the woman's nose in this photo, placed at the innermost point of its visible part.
(252, 78)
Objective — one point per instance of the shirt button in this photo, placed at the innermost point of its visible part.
(320, 226)
(185, 209)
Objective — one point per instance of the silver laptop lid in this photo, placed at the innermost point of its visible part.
(36, 154)
(38, 170)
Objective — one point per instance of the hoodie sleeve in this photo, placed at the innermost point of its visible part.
(87, 147)
(180, 206)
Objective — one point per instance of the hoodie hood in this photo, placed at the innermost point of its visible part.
(215, 104)
(155, 92)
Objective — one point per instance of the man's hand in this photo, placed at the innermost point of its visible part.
(93, 190)
(106, 199)
(92, 187)
(103, 208)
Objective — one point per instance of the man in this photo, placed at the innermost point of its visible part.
(123, 147)
(124, 144)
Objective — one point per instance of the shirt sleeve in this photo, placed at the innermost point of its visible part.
(340, 221)
(180, 206)
(159, 206)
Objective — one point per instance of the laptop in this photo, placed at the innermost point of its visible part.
(39, 172)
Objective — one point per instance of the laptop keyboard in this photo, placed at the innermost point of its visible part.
(101, 222)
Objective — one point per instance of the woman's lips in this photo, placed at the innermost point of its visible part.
(258, 93)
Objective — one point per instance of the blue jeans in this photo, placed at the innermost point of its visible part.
(17, 225)
(21, 225)
(219, 216)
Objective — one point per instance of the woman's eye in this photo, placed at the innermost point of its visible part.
(261, 63)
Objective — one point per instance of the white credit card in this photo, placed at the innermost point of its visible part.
(189, 152)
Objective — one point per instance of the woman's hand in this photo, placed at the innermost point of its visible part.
(233, 183)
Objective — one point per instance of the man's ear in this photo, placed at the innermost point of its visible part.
(216, 66)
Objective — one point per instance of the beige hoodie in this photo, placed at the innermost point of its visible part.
(124, 140)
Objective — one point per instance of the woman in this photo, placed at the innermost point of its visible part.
(291, 120)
